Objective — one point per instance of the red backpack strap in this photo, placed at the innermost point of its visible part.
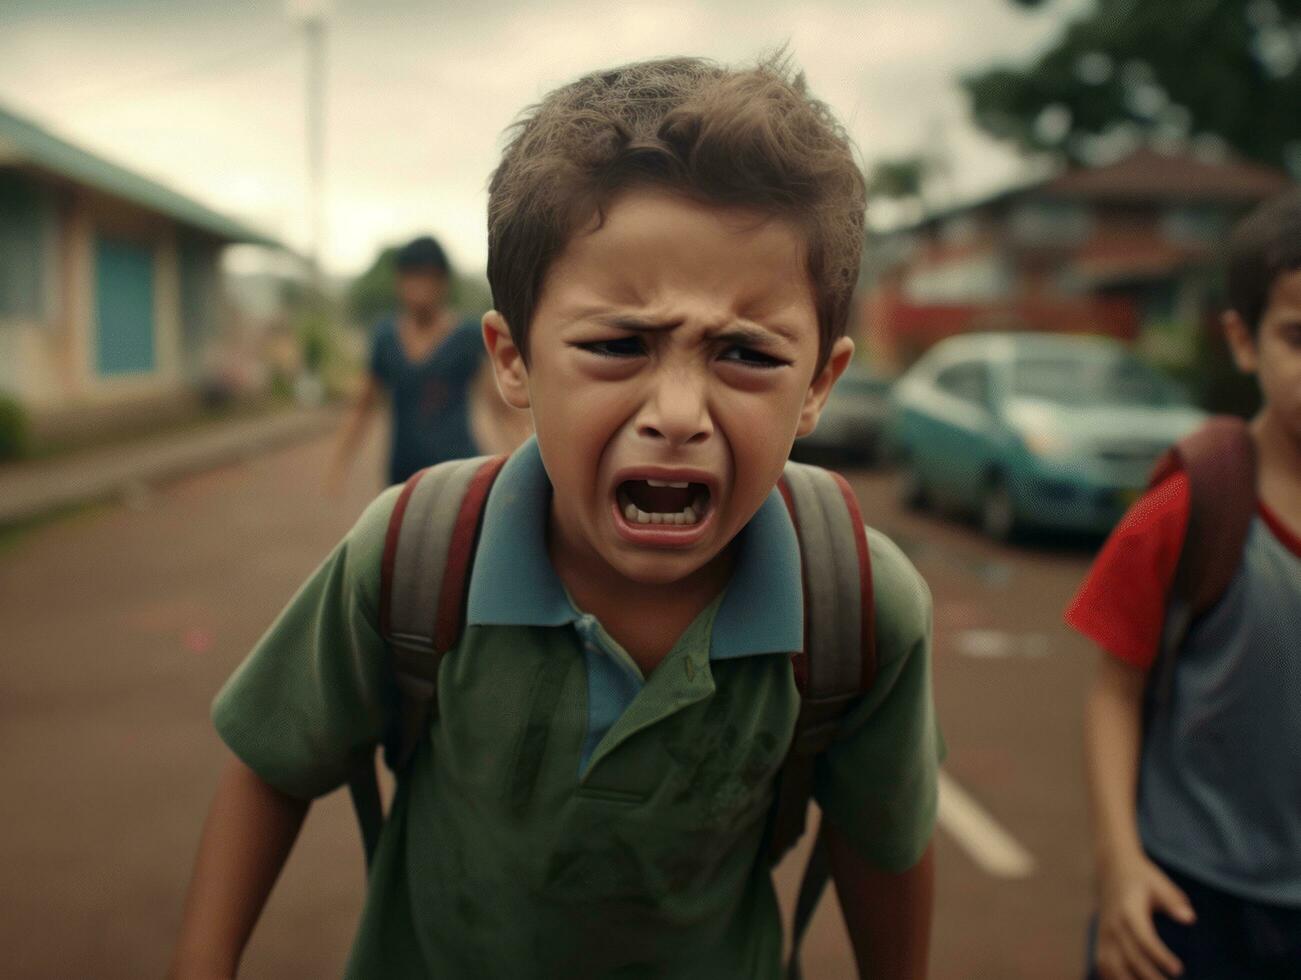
(450, 616)
(838, 663)
(1220, 462)
(839, 660)
(424, 577)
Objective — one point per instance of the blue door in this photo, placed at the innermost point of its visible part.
(124, 307)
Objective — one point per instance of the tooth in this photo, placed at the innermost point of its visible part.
(688, 515)
(679, 518)
(630, 512)
(643, 517)
(656, 483)
(668, 483)
(657, 518)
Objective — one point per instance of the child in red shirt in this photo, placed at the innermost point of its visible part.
(1196, 803)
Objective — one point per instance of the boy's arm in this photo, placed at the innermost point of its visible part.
(246, 839)
(354, 427)
(1130, 886)
(887, 914)
(307, 706)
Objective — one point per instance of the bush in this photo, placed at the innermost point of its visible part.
(15, 433)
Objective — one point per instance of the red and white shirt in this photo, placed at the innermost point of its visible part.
(1121, 605)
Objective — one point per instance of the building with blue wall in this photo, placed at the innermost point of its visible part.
(110, 283)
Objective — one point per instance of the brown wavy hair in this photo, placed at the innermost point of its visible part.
(1263, 246)
(751, 137)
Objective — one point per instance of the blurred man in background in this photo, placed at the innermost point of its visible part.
(430, 362)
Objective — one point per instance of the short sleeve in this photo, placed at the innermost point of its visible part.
(1121, 605)
(315, 696)
(878, 781)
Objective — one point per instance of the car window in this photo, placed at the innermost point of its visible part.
(968, 380)
(1089, 381)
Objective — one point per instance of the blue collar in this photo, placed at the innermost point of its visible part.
(514, 584)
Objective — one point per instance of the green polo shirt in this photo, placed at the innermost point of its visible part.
(565, 816)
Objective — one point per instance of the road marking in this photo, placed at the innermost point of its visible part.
(995, 850)
(986, 644)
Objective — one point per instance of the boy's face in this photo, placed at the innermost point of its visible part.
(676, 343)
(1274, 355)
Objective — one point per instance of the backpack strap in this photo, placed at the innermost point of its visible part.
(424, 576)
(837, 665)
(1220, 461)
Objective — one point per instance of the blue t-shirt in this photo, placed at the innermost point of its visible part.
(431, 417)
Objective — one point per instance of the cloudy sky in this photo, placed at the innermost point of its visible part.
(209, 97)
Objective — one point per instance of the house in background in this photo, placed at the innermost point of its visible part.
(1129, 249)
(110, 284)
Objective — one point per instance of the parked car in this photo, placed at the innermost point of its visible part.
(1033, 430)
(852, 423)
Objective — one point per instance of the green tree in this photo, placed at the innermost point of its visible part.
(899, 179)
(1151, 70)
(370, 296)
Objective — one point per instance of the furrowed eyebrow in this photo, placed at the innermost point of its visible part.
(744, 334)
(633, 324)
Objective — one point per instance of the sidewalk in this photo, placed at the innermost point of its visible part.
(32, 490)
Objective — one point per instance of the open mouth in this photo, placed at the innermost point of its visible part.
(663, 502)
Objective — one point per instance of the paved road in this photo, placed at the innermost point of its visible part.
(118, 625)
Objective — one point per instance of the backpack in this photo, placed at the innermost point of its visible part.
(427, 558)
(1220, 461)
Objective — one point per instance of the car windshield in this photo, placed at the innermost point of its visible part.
(1120, 380)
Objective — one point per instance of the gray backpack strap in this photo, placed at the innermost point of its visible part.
(423, 580)
(837, 665)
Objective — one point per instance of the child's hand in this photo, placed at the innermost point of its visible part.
(1128, 945)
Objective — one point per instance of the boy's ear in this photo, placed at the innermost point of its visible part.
(842, 352)
(1242, 345)
(507, 362)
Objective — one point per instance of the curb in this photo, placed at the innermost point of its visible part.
(39, 490)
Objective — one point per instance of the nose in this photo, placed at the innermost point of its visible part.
(676, 411)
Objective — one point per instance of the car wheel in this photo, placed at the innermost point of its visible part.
(998, 517)
(912, 488)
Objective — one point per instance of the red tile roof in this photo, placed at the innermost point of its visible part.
(1149, 175)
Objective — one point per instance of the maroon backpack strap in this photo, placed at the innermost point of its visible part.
(866, 598)
(836, 666)
(424, 577)
(1220, 462)
(391, 538)
(450, 616)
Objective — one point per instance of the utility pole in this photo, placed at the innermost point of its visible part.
(315, 328)
(314, 35)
